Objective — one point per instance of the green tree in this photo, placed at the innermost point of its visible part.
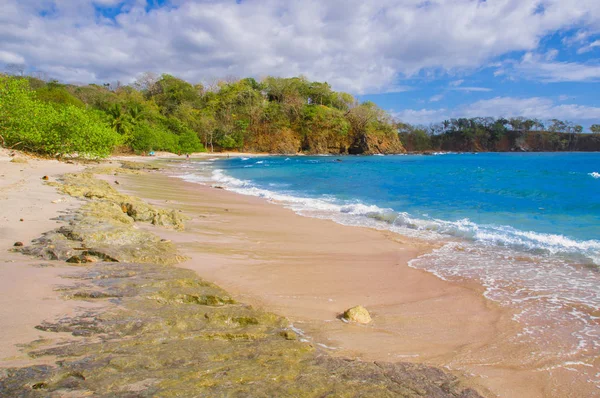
(51, 129)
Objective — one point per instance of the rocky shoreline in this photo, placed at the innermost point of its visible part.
(163, 331)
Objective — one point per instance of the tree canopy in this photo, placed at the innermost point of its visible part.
(275, 115)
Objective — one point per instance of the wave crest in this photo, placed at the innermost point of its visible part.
(360, 214)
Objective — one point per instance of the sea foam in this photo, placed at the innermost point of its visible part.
(361, 214)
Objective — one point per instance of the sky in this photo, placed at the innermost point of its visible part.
(422, 60)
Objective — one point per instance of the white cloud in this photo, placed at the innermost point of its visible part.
(534, 107)
(536, 67)
(589, 47)
(436, 98)
(11, 58)
(354, 45)
(551, 54)
(472, 88)
(422, 116)
(456, 83)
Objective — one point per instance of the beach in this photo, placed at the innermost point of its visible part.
(27, 210)
(309, 271)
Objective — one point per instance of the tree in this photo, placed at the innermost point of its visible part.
(15, 69)
(146, 81)
(595, 128)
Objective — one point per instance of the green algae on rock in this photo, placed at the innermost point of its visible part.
(358, 314)
(169, 348)
(100, 232)
(103, 228)
(166, 332)
(85, 185)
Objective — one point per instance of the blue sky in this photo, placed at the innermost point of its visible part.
(424, 61)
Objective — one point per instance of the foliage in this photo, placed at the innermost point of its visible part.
(57, 93)
(490, 134)
(51, 129)
(278, 115)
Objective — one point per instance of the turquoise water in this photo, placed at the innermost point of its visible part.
(526, 227)
(543, 203)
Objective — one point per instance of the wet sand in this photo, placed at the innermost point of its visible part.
(306, 269)
(311, 270)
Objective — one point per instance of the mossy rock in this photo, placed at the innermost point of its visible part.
(144, 348)
(138, 166)
(358, 314)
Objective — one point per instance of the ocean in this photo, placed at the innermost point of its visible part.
(525, 226)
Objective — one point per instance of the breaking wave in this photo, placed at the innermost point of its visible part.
(361, 214)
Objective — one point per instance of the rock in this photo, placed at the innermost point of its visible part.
(20, 219)
(18, 244)
(116, 182)
(45, 178)
(74, 260)
(289, 335)
(358, 314)
(18, 160)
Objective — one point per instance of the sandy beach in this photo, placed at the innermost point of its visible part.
(28, 208)
(311, 270)
(308, 270)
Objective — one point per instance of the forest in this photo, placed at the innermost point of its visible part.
(487, 134)
(165, 113)
(274, 115)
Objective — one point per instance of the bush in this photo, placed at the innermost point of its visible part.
(51, 129)
(148, 137)
(54, 92)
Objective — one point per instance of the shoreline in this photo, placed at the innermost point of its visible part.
(494, 358)
(103, 292)
(308, 270)
(331, 280)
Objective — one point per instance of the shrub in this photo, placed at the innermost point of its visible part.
(51, 129)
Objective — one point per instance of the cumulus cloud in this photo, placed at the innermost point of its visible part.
(355, 45)
(534, 107)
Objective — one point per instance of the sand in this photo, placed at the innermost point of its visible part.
(311, 270)
(306, 269)
(27, 284)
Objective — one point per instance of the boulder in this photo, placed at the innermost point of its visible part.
(358, 314)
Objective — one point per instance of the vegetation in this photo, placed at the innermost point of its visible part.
(275, 115)
(490, 134)
(51, 128)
